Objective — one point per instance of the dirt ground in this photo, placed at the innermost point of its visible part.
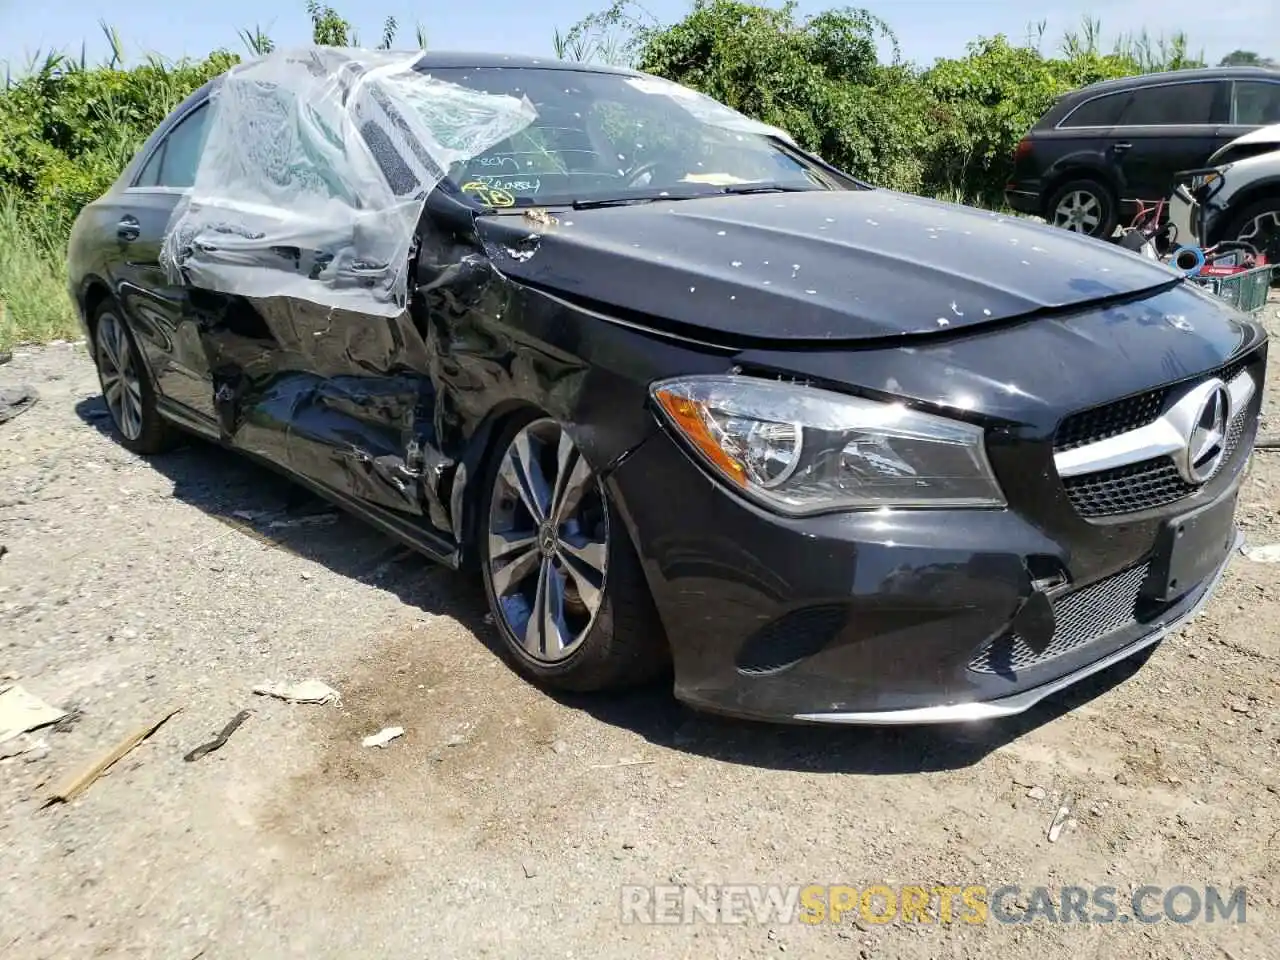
(505, 822)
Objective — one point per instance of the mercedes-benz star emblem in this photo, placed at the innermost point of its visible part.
(1208, 440)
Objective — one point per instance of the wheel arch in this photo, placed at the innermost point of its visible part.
(1078, 171)
(466, 494)
(466, 491)
(1267, 188)
(93, 294)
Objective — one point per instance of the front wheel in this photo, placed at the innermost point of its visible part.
(563, 582)
(1083, 206)
(1258, 225)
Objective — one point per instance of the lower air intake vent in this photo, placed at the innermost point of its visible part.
(1082, 617)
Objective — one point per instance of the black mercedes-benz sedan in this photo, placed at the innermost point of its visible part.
(686, 397)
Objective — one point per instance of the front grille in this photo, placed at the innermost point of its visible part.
(1135, 487)
(1083, 617)
(1090, 426)
(1128, 489)
(1121, 416)
(1141, 486)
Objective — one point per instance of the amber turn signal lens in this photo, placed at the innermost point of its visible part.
(687, 415)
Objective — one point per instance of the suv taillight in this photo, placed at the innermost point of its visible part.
(1022, 149)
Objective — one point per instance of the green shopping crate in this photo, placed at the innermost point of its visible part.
(1246, 291)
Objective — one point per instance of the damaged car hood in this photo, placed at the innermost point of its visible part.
(813, 266)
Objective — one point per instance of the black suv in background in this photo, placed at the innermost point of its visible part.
(1099, 150)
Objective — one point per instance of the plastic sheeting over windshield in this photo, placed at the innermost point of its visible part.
(315, 170)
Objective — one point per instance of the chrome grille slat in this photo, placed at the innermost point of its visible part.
(1082, 617)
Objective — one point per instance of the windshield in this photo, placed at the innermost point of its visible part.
(600, 136)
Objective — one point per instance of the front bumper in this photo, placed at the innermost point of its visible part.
(869, 618)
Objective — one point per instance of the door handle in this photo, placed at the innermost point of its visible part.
(128, 229)
(1121, 147)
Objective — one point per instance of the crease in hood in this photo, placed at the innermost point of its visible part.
(820, 265)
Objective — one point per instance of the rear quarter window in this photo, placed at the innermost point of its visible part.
(1103, 111)
(1257, 103)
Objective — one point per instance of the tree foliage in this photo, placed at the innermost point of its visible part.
(1246, 58)
(66, 131)
(836, 80)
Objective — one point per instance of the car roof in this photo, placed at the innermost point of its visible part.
(452, 59)
(1170, 76)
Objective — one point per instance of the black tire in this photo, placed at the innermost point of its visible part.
(1099, 193)
(1242, 228)
(142, 430)
(623, 643)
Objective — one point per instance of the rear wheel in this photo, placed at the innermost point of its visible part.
(126, 386)
(1083, 206)
(564, 585)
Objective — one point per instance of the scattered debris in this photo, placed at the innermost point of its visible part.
(1269, 553)
(457, 740)
(21, 745)
(67, 723)
(75, 785)
(220, 740)
(16, 400)
(311, 520)
(21, 711)
(621, 763)
(527, 248)
(560, 747)
(1037, 793)
(305, 691)
(540, 216)
(1060, 819)
(529, 872)
(3, 550)
(382, 737)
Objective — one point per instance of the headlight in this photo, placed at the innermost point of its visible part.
(801, 450)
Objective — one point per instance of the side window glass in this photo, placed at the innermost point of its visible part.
(150, 175)
(1099, 112)
(1174, 104)
(182, 150)
(1257, 103)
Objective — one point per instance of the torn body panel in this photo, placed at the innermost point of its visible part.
(395, 412)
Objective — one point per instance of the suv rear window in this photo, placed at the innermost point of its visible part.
(1171, 104)
(1101, 111)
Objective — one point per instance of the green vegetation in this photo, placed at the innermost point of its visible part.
(836, 80)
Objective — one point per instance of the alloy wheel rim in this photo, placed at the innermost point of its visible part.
(1079, 211)
(1263, 233)
(548, 537)
(118, 369)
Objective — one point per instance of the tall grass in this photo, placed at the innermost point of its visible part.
(34, 304)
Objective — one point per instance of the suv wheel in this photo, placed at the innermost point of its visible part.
(564, 586)
(1259, 226)
(1083, 206)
